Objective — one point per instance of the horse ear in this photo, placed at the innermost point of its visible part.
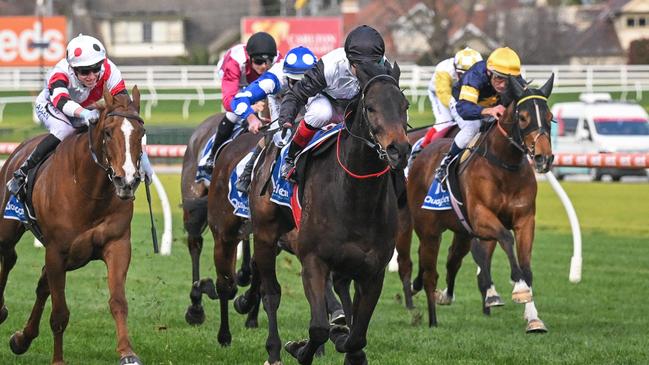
(546, 89)
(136, 98)
(515, 87)
(362, 76)
(108, 98)
(396, 71)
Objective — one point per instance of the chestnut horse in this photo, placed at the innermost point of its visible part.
(348, 223)
(194, 202)
(499, 190)
(83, 199)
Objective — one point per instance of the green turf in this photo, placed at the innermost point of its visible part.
(601, 320)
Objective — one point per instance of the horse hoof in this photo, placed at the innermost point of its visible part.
(243, 278)
(338, 335)
(442, 298)
(4, 313)
(494, 301)
(241, 305)
(320, 351)
(522, 297)
(252, 323)
(338, 318)
(130, 360)
(195, 315)
(208, 287)
(15, 347)
(225, 339)
(536, 326)
(294, 347)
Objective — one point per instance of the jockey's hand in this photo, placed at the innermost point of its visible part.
(286, 126)
(253, 124)
(258, 106)
(496, 111)
(89, 116)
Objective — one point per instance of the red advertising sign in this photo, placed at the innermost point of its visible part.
(319, 34)
(23, 38)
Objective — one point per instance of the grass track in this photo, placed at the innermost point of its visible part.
(602, 320)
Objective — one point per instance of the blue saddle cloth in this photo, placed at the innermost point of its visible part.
(201, 174)
(438, 197)
(238, 199)
(15, 210)
(283, 189)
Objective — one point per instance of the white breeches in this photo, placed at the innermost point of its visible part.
(320, 112)
(468, 128)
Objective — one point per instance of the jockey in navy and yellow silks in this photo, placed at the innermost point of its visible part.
(477, 95)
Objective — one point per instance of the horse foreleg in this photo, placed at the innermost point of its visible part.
(403, 244)
(264, 257)
(117, 256)
(365, 300)
(342, 288)
(21, 340)
(524, 242)
(225, 251)
(428, 252)
(314, 277)
(55, 269)
(482, 252)
(334, 307)
(8, 259)
(459, 248)
(195, 313)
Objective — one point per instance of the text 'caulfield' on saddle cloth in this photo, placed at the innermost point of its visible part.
(15, 210)
(282, 189)
(238, 199)
(438, 197)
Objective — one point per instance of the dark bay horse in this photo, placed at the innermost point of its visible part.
(499, 190)
(83, 199)
(194, 202)
(349, 218)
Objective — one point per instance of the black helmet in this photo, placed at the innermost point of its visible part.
(261, 44)
(364, 44)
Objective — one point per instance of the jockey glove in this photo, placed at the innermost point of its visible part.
(89, 116)
(146, 168)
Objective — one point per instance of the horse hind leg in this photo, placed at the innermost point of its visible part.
(10, 233)
(244, 274)
(194, 221)
(21, 340)
(459, 248)
(226, 288)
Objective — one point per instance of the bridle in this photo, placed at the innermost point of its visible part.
(517, 139)
(107, 167)
(372, 142)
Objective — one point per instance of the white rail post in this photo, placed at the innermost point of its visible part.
(576, 260)
(165, 248)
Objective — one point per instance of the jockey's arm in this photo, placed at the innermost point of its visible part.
(313, 83)
(443, 86)
(230, 83)
(266, 84)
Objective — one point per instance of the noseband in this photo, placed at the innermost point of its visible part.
(373, 143)
(107, 166)
(517, 140)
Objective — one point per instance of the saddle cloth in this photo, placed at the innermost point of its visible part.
(201, 174)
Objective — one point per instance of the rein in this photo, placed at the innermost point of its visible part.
(373, 144)
(356, 176)
(517, 140)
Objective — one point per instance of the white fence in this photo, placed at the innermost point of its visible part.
(414, 79)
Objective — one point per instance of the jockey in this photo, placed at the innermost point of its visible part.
(440, 88)
(69, 98)
(478, 94)
(283, 75)
(333, 78)
(241, 65)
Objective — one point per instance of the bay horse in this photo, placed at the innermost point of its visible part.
(194, 204)
(348, 219)
(499, 188)
(83, 200)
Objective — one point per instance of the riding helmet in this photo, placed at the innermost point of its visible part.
(85, 51)
(261, 44)
(504, 61)
(297, 61)
(364, 44)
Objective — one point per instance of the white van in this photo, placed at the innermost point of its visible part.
(598, 124)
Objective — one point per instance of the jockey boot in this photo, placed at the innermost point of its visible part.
(243, 183)
(222, 134)
(440, 173)
(48, 144)
(302, 137)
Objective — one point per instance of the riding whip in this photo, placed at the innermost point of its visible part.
(154, 235)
